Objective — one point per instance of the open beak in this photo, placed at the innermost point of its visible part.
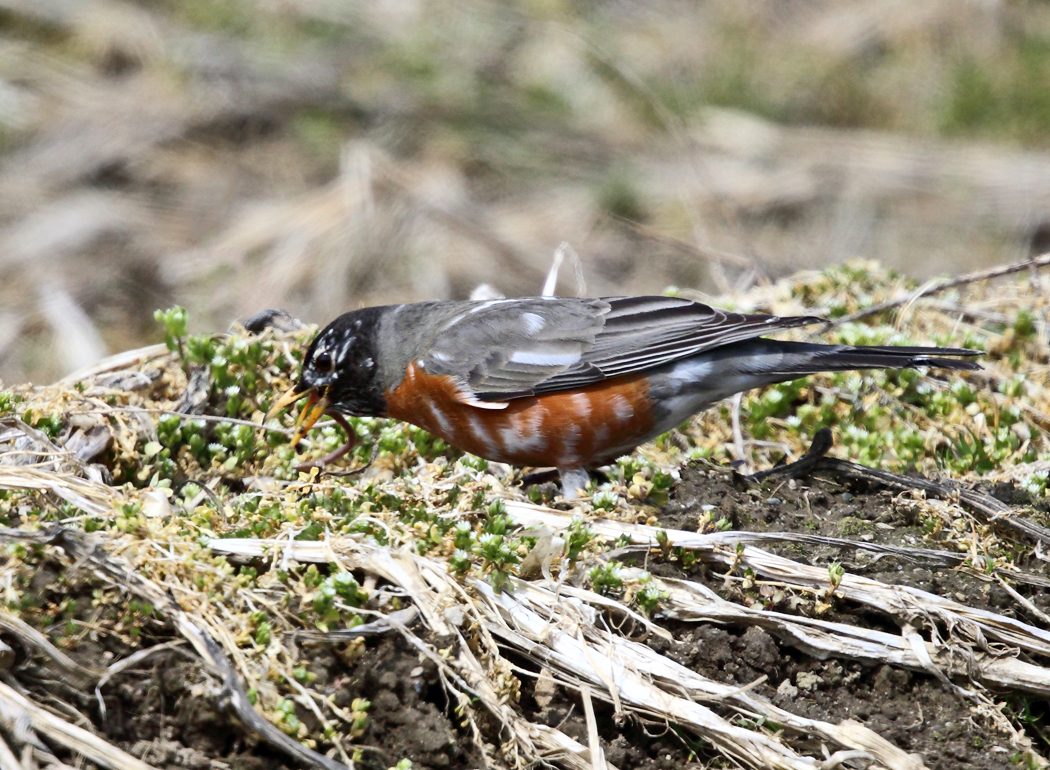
(316, 405)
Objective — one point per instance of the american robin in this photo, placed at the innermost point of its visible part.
(556, 381)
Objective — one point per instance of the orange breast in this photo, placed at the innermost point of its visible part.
(581, 428)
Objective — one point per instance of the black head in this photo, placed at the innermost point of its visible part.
(341, 364)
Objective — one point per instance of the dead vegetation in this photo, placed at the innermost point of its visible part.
(144, 505)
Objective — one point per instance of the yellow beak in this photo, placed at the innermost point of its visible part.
(311, 413)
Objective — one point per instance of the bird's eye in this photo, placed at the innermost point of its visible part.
(323, 362)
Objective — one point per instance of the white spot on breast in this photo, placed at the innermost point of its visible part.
(570, 444)
(524, 434)
(621, 408)
(481, 434)
(582, 402)
(441, 420)
(533, 323)
(544, 359)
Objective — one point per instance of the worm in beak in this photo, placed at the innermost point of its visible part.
(316, 405)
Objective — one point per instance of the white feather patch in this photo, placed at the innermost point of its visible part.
(533, 323)
(443, 423)
(464, 396)
(482, 433)
(544, 359)
(622, 408)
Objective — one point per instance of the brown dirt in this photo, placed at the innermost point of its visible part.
(410, 715)
(168, 711)
(915, 711)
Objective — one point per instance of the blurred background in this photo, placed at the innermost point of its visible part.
(317, 155)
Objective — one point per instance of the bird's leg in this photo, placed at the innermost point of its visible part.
(573, 481)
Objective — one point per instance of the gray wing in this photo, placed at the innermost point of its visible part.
(515, 348)
(504, 349)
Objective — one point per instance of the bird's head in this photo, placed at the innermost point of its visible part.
(339, 372)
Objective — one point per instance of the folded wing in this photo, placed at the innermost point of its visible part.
(509, 349)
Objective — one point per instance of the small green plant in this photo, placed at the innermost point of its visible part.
(835, 574)
(578, 537)
(263, 634)
(604, 499)
(1037, 484)
(50, 424)
(648, 597)
(359, 716)
(8, 401)
(463, 536)
(499, 555)
(286, 718)
(460, 562)
(473, 462)
(497, 523)
(606, 578)
(663, 540)
(175, 321)
(340, 588)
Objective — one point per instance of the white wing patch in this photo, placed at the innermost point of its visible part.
(533, 323)
(544, 359)
(466, 397)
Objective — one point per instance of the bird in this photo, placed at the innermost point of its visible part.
(565, 382)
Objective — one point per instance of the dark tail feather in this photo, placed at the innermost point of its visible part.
(801, 358)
